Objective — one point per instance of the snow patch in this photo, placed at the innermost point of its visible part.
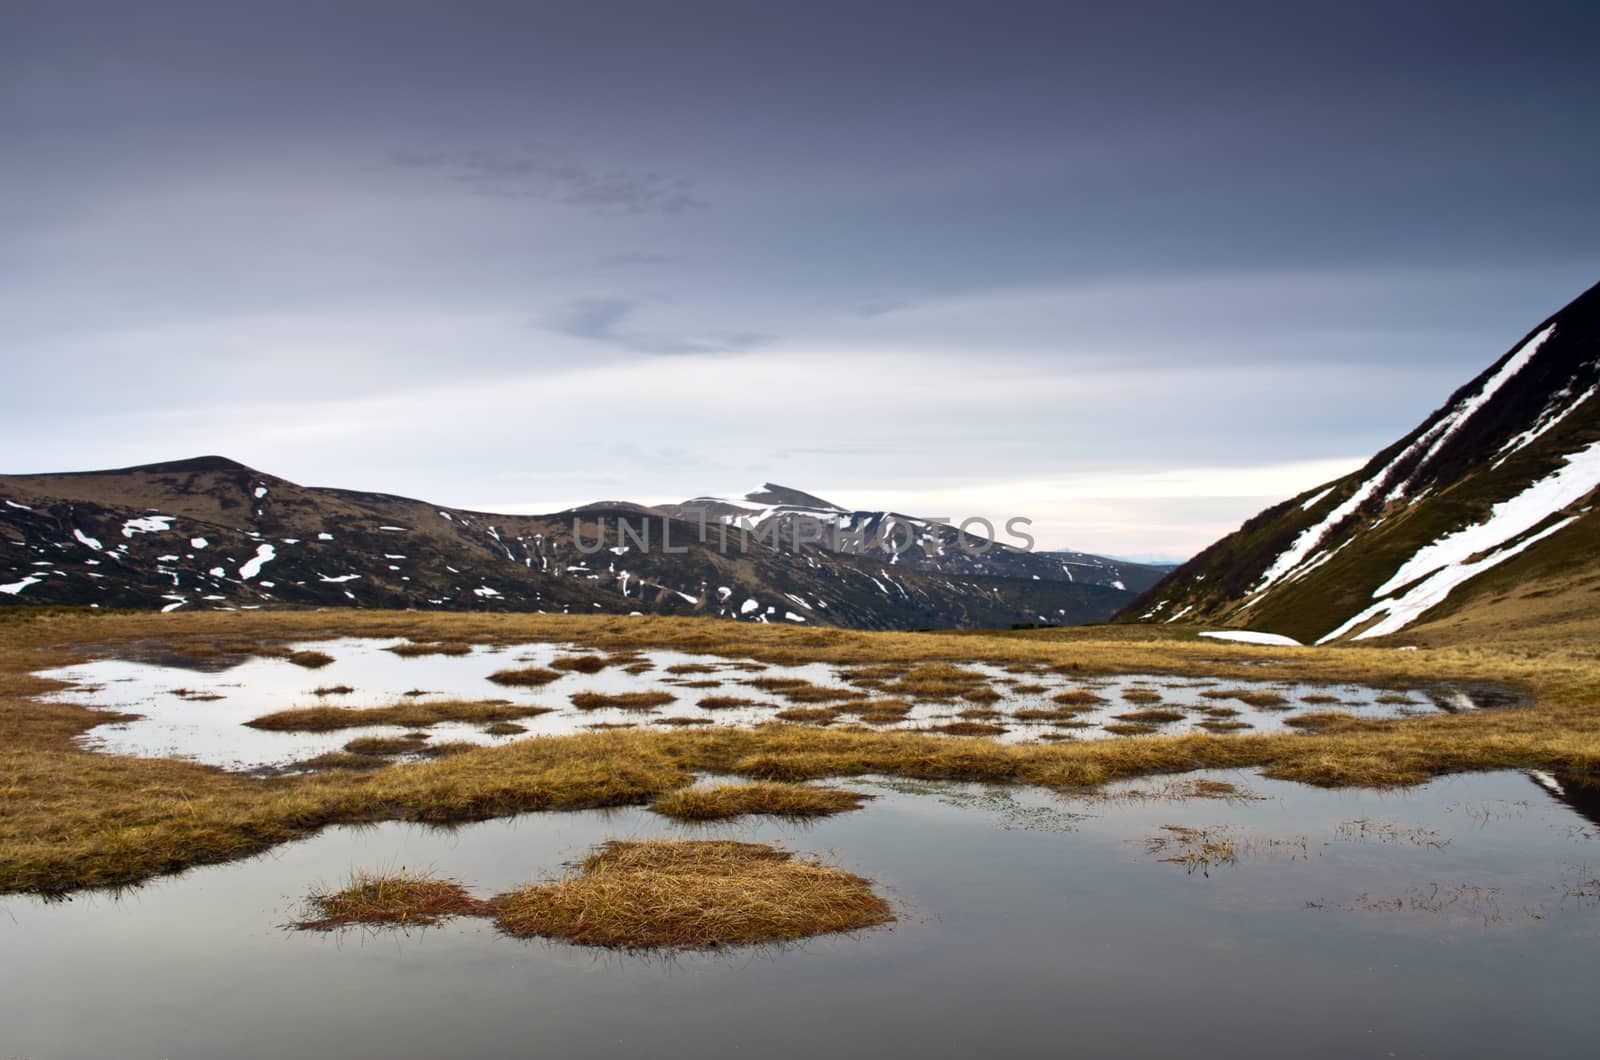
(251, 567)
(1247, 636)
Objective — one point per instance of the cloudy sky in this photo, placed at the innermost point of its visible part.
(1130, 269)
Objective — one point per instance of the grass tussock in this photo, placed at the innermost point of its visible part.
(1141, 695)
(770, 799)
(311, 660)
(332, 690)
(390, 899)
(939, 682)
(1078, 697)
(412, 715)
(413, 650)
(580, 664)
(387, 745)
(727, 702)
(970, 728)
(504, 728)
(525, 677)
(683, 720)
(692, 895)
(648, 700)
(810, 715)
(1153, 716)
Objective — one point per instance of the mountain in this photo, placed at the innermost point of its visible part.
(1483, 516)
(213, 533)
(906, 542)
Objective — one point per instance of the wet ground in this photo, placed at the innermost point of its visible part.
(1456, 920)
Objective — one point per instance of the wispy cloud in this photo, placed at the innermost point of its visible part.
(532, 174)
(609, 319)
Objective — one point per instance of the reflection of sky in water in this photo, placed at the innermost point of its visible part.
(1030, 926)
(213, 730)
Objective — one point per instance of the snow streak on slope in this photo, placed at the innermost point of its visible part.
(1432, 439)
(1447, 563)
(1507, 520)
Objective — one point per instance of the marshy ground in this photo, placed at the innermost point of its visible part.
(77, 817)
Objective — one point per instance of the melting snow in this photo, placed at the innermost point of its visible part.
(324, 536)
(265, 554)
(1314, 501)
(14, 504)
(1507, 520)
(261, 491)
(92, 542)
(749, 606)
(792, 617)
(149, 524)
(16, 587)
(198, 542)
(339, 579)
(1246, 636)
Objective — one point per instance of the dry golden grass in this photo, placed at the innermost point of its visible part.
(769, 799)
(413, 715)
(681, 721)
(71, 818)
(938, 682)
(504, 728)
(692, 895)
(648, 700)
(1141, 695)
(1078, 697)
(311, 660)
(390, 899)
(525, 677)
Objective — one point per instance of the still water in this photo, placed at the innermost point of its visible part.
(1460, 919)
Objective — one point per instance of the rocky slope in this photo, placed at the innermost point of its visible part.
(212, 533)
(1489, 503)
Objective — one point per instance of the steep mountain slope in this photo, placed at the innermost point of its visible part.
(1490, 494)
(903, 541)
(210, 532)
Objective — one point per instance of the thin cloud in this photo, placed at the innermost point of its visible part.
(532, 175)
(609, 319)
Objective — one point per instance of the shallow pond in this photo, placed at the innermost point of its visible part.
(1457, 920)
(200, 712)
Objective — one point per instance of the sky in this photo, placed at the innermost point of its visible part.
(1131, 270)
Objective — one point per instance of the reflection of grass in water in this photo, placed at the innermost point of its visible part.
(1364, 830)
(1013, 816)
(1491, 810)
(1174, 791)
(1199, 849)
(1479, 903)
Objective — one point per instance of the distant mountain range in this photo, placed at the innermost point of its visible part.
(1482, 515)
(213, 533)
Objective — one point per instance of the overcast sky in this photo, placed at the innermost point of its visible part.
(1133, 270)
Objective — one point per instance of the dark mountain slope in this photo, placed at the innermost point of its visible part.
(1497, 481)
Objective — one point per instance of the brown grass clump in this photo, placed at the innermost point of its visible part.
(1051, 714)
(984, 694)
(410, 715)
(769, 799)
(649, 700)
(878, 711)
(970, 728)
(1028, 689)
(1319, 697)
(412, 650)
(726, 702)
(311, 660)
(390, 899)
(810, 693)
(332, 690)
(1152, 716)
(680, 669)
(692, 895)
(1388, 698)
(776, 684)
(681, 721)
(1078, 697)
(1128, 728)
(1262, 699)
(524, 677)
(580, 664)
(504, 728)
(386, 745)
(1141, 695)
(810, 715)
(938, 681)
(1224, 725)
